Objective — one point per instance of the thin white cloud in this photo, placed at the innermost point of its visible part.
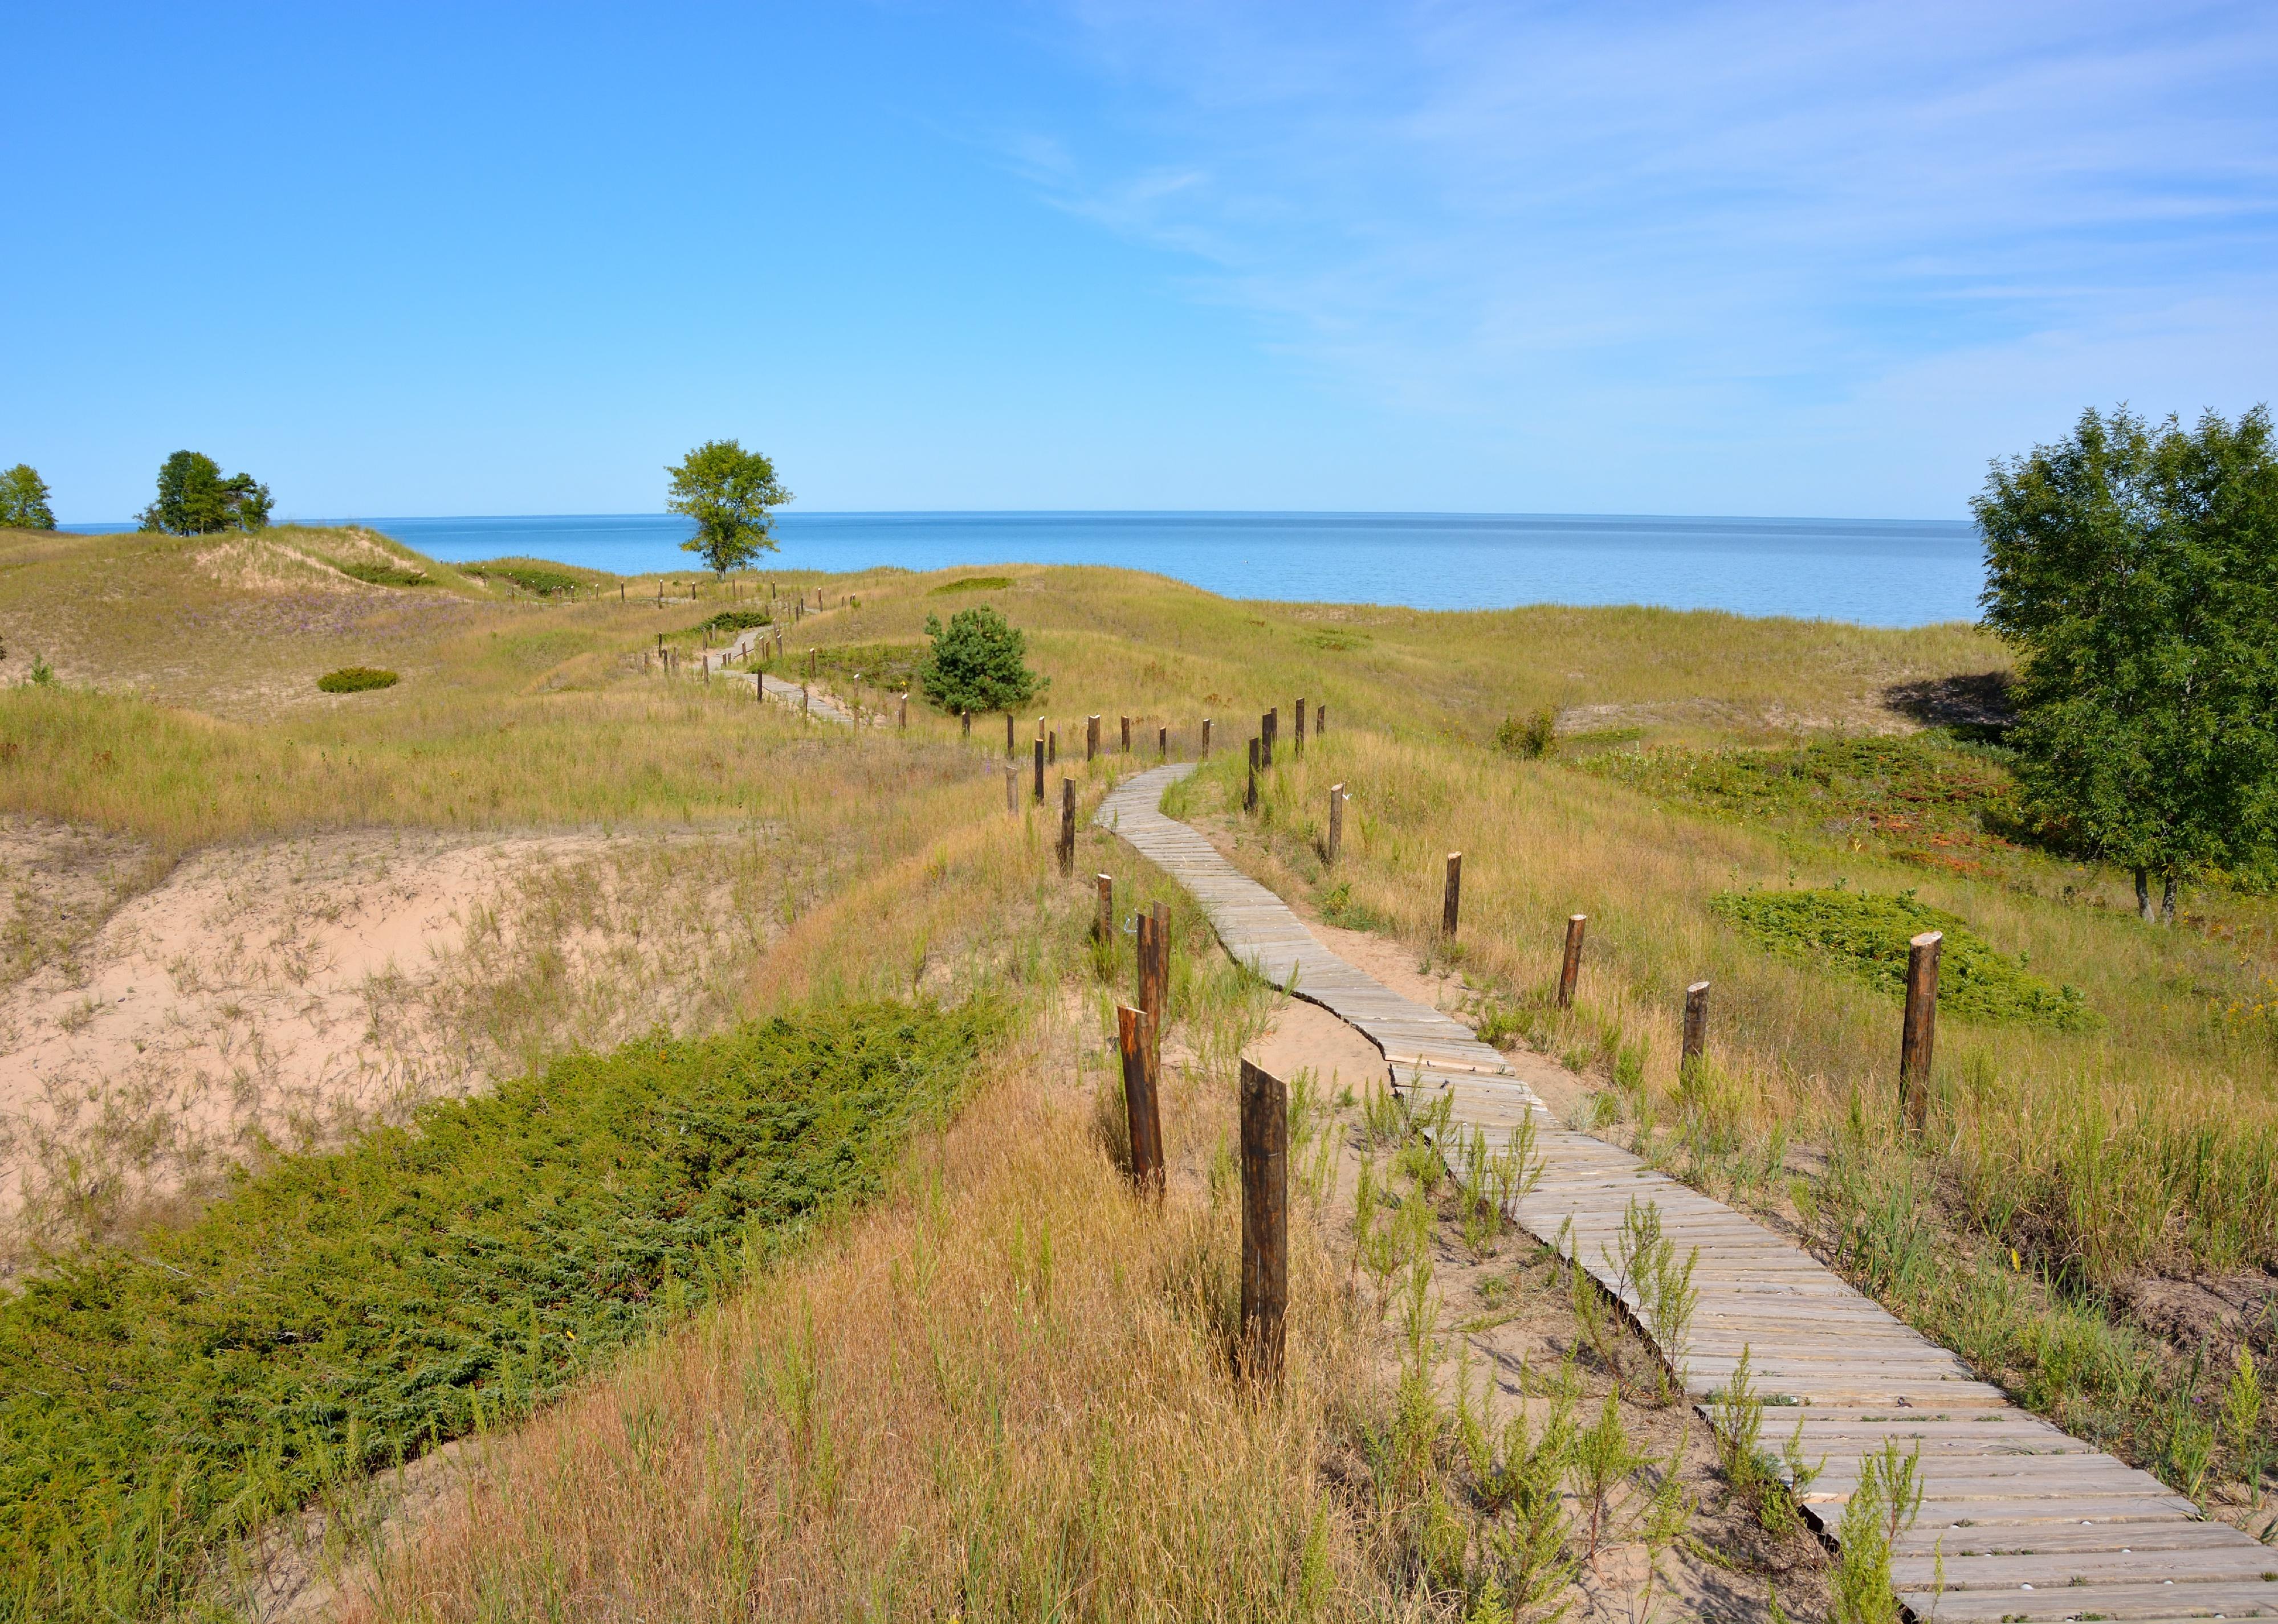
(1644, 215)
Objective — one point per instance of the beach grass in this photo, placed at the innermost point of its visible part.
(1030, 1358)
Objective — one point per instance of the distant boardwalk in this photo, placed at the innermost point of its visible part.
(2028, 1522)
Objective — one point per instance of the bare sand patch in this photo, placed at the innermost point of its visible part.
(284, 994)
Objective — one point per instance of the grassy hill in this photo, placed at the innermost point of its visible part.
(2090, 1216)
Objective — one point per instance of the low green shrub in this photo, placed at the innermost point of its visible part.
(1535, 737)
(973, 583)
(337, 1313)
(1337, 640)
(385, 575)
(737, 620)
(530, 577)
(356, 680)
(1865, 936)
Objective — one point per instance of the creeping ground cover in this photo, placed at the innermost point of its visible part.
(1865, 936)
(356, 680)
(337, 1313)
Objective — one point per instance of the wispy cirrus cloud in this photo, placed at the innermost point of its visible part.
(1740, 224)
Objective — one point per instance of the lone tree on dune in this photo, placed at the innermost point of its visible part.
(2136, 568)
(24, 500)
(978, 663)
(728, 491)
(194, 498)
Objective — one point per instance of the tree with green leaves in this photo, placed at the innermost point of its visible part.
(979, 662)
(728, 491)
(24, 500)
(2135, 568)
(194, 499)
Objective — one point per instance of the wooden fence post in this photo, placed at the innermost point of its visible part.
(1103, 925)
(1696, 1029)
(1091, 737)
(1919, 1040)
(1010, 747)
(1052, 746)
(1206, 733)
(1126, 735)
(1570, 967)
(903, 720)
(1040, 772)
(1264, 1226)
(1141, 1110)
(1269, 728)
(965, 724)
(1154, 957)
(1163, 743)
(1297, 738)
(1336, 821)
(1249, 796)
(1067, 826)
(1321, 719)
(1452, 896)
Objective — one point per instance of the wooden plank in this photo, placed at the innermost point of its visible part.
(2174, 1600)
(2174, 1533)
(2244, 1560)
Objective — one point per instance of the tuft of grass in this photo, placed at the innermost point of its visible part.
(1865, 936)
(972, 583)
(1339, 908)
(340, 1312)
(356, 680)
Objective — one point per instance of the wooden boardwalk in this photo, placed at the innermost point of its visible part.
(819, 704)
(2025, 1522)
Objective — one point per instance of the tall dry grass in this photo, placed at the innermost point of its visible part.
(2148, 1143)
(1005, 1394)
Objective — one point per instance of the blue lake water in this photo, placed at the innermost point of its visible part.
(1879, 572)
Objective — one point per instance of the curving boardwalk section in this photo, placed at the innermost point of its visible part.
(817, 703)
(2026, 1522)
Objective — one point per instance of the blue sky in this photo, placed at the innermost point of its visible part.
(1786, 259)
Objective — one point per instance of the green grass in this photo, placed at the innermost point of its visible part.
(341, 1313)
(356, 680)
(1923, 799)
(543, 579)
(1865, 936)
(973, 583)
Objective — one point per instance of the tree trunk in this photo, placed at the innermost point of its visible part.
(2144, 894)
(2167, 899)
